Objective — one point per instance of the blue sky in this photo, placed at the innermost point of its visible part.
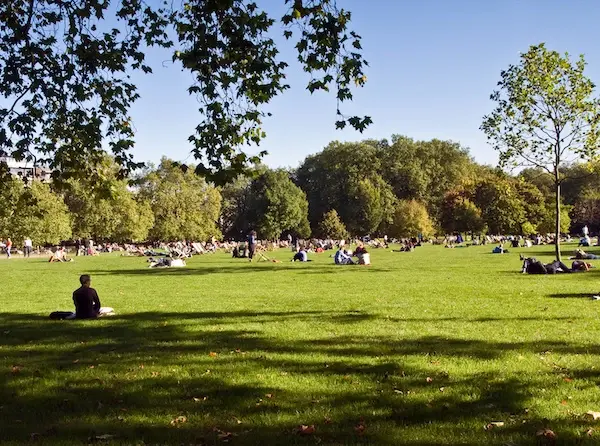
(433, 65)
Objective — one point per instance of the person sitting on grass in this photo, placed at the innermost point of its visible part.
(59, 256)
(580, 254)
(87, 303)
(499, 250)
(341, 257)
(301, 256)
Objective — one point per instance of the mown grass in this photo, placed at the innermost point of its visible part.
(423, 348)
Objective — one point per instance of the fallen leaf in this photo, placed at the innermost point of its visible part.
(442, 389)
(269, 395)
(546, 433)
(564, 402)
(237, 420)
(103, 437)
(360, 428)
(429, 379)
(305, 430)
(16, 369)
(75, 361)
(212, 354)
(204, 398)
(493, 425)
(593, 415)
(155, 374)
(179, 420)
(567, 379)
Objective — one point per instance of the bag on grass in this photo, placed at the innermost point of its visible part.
(60, 315)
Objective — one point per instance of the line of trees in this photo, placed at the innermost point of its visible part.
(400, 187)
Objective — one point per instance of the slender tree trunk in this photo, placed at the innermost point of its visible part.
(557, 246)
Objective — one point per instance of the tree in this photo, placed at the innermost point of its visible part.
(185, 207)
(410, 220)
(345, 177)
(234, 210)
(586, 210)
(425, 170)
(10, 193)
(277, 205)
(106, 209)
(545, 116)
(42, 216)
(332, 227)
(460, 214)
(502, 208)
(66, 70)
(548, 223)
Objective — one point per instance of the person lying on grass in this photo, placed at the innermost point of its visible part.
(534, 266)
(580, 254)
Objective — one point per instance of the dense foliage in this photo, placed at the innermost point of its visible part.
(67, 65)
(348, 189)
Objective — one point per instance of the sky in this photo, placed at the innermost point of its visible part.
(433, 65)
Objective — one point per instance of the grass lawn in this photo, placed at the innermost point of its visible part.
(423, 348)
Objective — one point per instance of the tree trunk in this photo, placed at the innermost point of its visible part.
(557, 246)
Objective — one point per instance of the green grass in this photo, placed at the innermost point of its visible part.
(422, 348)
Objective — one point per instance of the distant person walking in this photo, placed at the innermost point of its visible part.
(28, 247)
(585, 231)
(8, 248)
(251, 244)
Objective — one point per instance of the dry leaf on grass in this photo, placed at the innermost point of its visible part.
(179, 420)
(589, 432)
(546, 433)
(429, 379)
(269, 395)
(360, 428)
(213, 354)
(305, 430)
(493, 425)
(200, 399)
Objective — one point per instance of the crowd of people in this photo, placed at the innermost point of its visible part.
(173, 254)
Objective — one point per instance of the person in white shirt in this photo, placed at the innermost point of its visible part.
(585, 231)
(28, 245)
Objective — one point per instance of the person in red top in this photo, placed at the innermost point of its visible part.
(8, 247)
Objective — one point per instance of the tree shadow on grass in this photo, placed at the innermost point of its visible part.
(247, 269)
(571, 295)
(133, 374)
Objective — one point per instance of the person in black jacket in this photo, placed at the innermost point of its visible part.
(87, 302)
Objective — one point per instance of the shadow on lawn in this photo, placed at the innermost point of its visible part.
(132, 374)
(308, 268)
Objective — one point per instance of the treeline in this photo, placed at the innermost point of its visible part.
(400, 188)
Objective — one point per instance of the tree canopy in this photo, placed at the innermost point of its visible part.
(67, 67)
